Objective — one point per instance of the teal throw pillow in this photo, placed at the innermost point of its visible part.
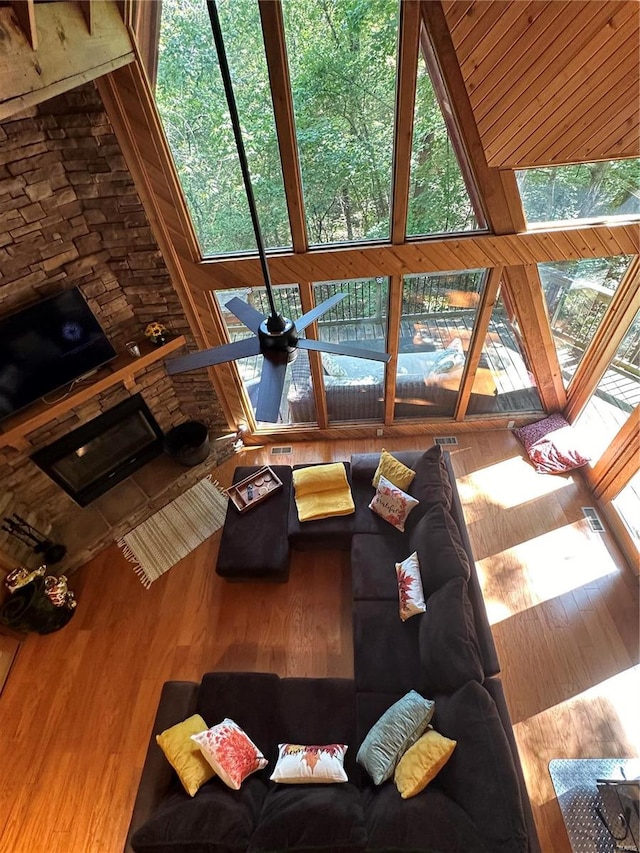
(396, 730)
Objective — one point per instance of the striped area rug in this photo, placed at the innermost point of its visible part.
(174, 531)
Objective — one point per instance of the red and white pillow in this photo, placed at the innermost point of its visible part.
(392, 504)
(410, 592)
(231, 753)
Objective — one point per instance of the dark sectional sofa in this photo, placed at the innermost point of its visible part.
(476, 804)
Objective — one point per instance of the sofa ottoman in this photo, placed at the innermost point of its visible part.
(254, 543)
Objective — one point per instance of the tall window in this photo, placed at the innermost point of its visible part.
(578, 293)
(439, 202)
(354, 387)
(342, 63)
(194, 112)
(438, 314)
(581, 191)
(616, 395)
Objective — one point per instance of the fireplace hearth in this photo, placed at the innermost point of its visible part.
(92, 459)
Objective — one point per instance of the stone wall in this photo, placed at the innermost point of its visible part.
(70, 216)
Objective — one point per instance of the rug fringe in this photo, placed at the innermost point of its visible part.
(137, 568)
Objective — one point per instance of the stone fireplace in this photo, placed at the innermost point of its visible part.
(70, 215)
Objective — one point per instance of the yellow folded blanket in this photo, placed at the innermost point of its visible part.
(322, 491)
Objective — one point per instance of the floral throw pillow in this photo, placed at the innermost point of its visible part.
(299, 764)
(553, 445)
(410, 587)
(392, 504)
(231, 753)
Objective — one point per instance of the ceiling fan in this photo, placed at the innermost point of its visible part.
(274, 337)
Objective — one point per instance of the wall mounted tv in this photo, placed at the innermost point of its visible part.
(46, 346)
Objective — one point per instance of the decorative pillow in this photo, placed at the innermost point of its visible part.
(299, 764)
(332, 367)
(551, 445)
(396, 730)
(183, 754)
(392, 504)
(410, 587)
(447, 640)
(422, 762)
(441, 554)
(394, 471)
(449, 359)
(232, 754)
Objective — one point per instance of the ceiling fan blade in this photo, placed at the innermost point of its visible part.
(215, 355)
(343, 349)
(318, 311)
(245, 313)
(270, 391)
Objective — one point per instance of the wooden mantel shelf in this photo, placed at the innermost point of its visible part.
(123, 368)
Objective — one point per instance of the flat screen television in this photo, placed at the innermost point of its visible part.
(46, 346)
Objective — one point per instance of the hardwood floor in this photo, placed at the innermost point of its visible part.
(77, 707)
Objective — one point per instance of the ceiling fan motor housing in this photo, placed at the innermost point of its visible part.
(278, 338)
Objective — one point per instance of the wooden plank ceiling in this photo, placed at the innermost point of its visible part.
(550, 82)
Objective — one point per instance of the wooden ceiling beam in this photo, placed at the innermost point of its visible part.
(26, 14)
(31, 76)
(421, 256)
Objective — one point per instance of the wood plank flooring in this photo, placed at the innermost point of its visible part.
(77, 707)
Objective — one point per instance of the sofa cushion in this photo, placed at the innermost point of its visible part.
(316, 711)
(392, 734)
(311, 817)
(373, 558)
(431, 822)
(431, 485)
(363, 468)
(480, 775)
(441, 554)
(449, 650)
(333, 532)
(233, 694)
(386, 650)
(216, 820)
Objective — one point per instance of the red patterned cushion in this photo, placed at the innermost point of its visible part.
(551, 445)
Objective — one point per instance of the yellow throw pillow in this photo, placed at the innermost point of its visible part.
(393, 471)
(422, 762)
(184, 755)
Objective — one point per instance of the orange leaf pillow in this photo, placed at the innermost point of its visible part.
(410, 590)
(231, 753)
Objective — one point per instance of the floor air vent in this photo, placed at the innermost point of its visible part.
(280, 451)
(593, 518)
(445, 440)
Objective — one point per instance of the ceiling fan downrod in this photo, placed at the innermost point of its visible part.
(277, 333)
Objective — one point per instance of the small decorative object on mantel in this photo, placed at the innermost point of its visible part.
(157, 333)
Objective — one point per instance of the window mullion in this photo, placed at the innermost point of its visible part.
(410, 24)
(280, 83)
(393, 345)
(315, 358)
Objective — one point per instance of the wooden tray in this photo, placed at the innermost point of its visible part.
(259, 485)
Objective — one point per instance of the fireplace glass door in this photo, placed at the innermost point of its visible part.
(92, 459)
